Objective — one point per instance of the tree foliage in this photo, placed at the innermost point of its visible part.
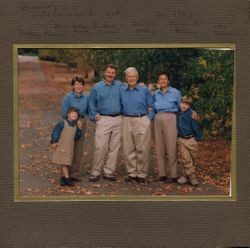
(28, 51)
(205, 74)
(210, 82)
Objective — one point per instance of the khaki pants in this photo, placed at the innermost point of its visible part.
(107, 144)
(187, 153)
(78, 150)
(136, 136)
(165, 130)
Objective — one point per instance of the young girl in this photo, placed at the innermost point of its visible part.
(62, 139)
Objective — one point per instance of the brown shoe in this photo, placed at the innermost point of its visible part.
(109, 177)
(161, 179)
(140, 180)
(129, 179)
(93, 178)
(194, 182)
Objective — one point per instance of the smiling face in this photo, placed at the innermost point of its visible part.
(78, 87)
(109, 74)
(72, 116)
(184, 106)
(131, 78)
(163, 81)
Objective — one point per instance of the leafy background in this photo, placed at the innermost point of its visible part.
(205, 74)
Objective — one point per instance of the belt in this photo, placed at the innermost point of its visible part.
(135, 115)
(162, 112)
(187, 137)
(111, 115)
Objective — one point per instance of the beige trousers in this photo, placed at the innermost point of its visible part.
(165, 130)
(187, 153)
(136, 136)
(107, 144)
(78, 150)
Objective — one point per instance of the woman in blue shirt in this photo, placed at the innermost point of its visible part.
(166, 105)
(78, 100)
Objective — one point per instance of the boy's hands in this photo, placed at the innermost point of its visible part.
(97, 117)
(196, 116)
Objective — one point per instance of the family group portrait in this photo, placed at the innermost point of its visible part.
(129, 123)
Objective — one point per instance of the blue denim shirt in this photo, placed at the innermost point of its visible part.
(168, 101)
(187, 125)
(105, 99)
(55, 136)
(137, 101)
(73, 100)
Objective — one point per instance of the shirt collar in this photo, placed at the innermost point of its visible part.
(81, 95)
(135, 88)
(71, 123)
(170, 89)
(105, 84)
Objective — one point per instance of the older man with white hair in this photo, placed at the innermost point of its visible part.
(137, 111)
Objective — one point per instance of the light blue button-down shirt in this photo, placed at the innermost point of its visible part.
(73, 100)
(105, 99)
(168, 101)
(137, 101)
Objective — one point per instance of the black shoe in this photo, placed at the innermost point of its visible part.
(62, 181)
(109, 177)
(75, 179)
(140, 180)
(161, 179)
(93, 178)
(68, 182)
(129, 179)
(172, 180)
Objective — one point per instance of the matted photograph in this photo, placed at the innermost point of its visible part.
(129, 122)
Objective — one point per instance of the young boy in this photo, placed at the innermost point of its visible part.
(188, 135)
(62, 139)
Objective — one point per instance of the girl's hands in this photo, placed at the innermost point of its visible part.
(79, 123)
(54, 145)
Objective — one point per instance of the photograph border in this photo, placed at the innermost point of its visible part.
(17, 198)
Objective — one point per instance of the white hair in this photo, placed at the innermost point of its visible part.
(131, 69)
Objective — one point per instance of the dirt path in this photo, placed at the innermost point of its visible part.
(40, 96)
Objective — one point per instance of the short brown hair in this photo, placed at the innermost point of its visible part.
(110, 66)
(72, 109)
(77, 79)
(167, 74)
(187, 99)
